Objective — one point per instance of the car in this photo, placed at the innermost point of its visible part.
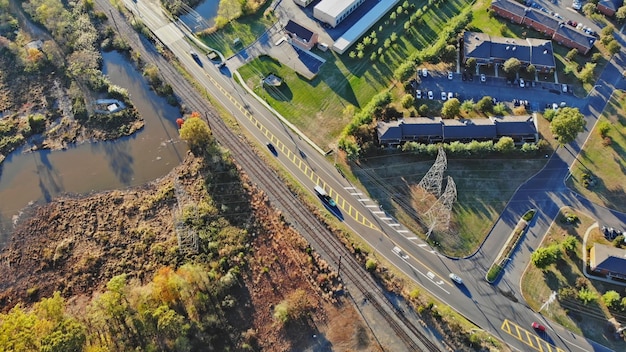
(555, 106)
(195, 57)
(424, 72)
(400, 253)
(450, 76)
(577, 5)
(455, 278)
(444, 96)
(521, 83)
(272, 149)
(430, 95)
(579, 26)
(564, 88)
(515, 102)
(483, 78)
(418, 94)
(558, 16)
(563, 104)
(538, 326)
(450, 95)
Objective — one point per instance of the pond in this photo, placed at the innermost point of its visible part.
(154, 151)
(203, 17)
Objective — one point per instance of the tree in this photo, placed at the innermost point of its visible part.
(607, 31)
(407, 101)
(567, 124)
(484, 105)
(531, 69)
(611, 299)
(589, 9)
(197, 135)
(586, 74)
(620, 14)
(596, 57)
(467, 106)
(624, 303)
(505, 145)
(587, 296)
(423, 110)
(604, 127)
(470, 63)
(569, 244)
(549, 114)
(448, 54)
(613, 47)
(512, 66)
(571, 54)
(451, 108)
(545, 256)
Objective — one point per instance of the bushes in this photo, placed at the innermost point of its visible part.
(545, 256)
(473, 148)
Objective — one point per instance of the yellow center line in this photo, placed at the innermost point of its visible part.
(297, 161)
(530, 339)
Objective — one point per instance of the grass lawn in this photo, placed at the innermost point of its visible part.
(317, 106)
(588, 320)
(606, 163)
(483, 187)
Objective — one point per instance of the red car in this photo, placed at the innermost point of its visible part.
(538, 326)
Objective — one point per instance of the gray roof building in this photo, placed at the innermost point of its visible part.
(608, 260)
(433, 130)
(487, 49)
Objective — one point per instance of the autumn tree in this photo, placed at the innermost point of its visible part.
(567, 124)
(197, 135)
(542, 257)
(484, 105)
(620, 14)
(505, 145)
(512, 66)
(451, 108)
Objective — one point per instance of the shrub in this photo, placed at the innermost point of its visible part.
(529, 215)
(606, 141)
(587, 296)
(500, 109)
(549, 114)
(484, 105)
(545, 256)
(604, 127)
(407, 101)
(611, 299)
(569, 244)
(371, 264)
(618, 241)
(423, 110)
(505, 145)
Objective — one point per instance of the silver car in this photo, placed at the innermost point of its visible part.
(455, 278)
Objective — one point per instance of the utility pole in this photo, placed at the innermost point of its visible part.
(339, 268)
(114, 22)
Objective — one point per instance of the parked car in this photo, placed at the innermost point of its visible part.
(483, 78)
(430, 95)
(450, 95)
(564, 88)
(443, 95)
(538, 326)
(521, 83)
(424, 72)
(577, 5)
(455, 278)
(450, 75)
(418, 94)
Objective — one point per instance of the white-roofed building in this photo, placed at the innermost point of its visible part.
(335, 11)
(303, 3)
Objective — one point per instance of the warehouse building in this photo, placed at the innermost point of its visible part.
(333, 12)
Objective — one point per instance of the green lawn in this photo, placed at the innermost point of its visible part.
(589, 320)
(605, 162)
(483, 187)
(317, 106)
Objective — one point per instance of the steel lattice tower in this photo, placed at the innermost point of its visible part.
(438, 216)
(187, 238)
(432, 181)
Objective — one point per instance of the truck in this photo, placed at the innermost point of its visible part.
(324, 196)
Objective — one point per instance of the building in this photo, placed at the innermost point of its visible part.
(303, 3)
(437, 130)
(301, 36)
(333, 12)
(607, 260)
(544, 23)
(487, 50)
(609, 7)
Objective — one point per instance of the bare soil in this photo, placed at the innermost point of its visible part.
(76, 244)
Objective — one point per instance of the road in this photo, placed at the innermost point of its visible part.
(496, 308)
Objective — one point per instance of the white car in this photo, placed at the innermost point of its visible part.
(577, 5)
(450, 95)
(424, 72)
(400, 253)
(450, 76)
(455, 278)
(418, 94)
(444, 96)
(430, 95)
(483, 78)
(521, 83)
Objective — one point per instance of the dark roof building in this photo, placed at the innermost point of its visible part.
(544, 23)
(608, 260)
(487, 50)
(434, 130)
(609, 7)
(301, 36)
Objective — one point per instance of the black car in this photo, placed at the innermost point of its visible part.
(272, 149)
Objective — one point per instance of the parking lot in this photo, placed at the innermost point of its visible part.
(538, 94)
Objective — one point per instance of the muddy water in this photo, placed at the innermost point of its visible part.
(90, 167)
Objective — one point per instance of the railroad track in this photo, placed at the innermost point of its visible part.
(320, 238)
